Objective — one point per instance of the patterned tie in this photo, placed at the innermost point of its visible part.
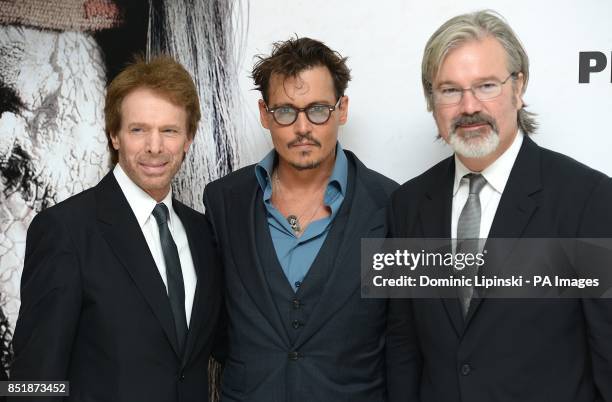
(468, 233)
(176, 287)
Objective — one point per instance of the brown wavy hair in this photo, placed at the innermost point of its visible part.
(291, 57)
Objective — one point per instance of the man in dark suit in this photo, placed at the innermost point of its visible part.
(499, 183)
(289, 229)
(120, 288)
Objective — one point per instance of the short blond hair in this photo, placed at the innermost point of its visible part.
(469, 27)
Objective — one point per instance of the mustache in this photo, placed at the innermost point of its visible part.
(18, 173)
(476, 118)
(304, 138)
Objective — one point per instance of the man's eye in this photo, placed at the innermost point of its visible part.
(136, 130)
(318, 109)
(284, 110)
(449, 91)
(487, 86)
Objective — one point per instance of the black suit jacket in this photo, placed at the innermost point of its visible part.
(507, 350)
(339, 355)
(95, 311)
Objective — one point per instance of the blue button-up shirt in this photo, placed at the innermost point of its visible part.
(296, 254)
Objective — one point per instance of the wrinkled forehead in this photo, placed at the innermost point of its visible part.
(472, 59)
(315, 82)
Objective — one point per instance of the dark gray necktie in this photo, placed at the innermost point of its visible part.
(176, 287)
(468, 234)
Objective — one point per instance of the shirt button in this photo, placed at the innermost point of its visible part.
(296, 304)
(466, 369)
(296, 324)
(293, 355)
(298, 284)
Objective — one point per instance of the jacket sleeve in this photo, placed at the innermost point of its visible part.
(596, 222)
(50, 303)
(402, 353)
(219, 351)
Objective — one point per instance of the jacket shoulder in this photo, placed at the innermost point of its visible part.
(241, 180)
(73, 209)
(68, 220)
(429, 179)
(235, 179)
(187, 211)
(372, 177)
(568, 169)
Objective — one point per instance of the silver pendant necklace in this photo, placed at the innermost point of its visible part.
(295, 221)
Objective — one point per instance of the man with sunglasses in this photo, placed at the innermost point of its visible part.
(498, 184)
(289, 229)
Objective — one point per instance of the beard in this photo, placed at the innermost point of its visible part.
(305, 166)
(474, 144)
(311, 164)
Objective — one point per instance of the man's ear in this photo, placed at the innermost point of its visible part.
(115, 140)
(188, 144)
(343, 109)
(263, 114)
(519, 85)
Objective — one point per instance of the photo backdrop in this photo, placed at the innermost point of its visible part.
(56, 57)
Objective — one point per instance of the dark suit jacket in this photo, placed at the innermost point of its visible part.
(339, 355)
(507, 350)
(94, 309)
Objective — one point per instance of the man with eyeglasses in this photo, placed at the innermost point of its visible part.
(498, 184)
(289, 229)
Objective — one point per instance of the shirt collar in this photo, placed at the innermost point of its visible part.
(498, 172)
(339, 176)
(142, 204)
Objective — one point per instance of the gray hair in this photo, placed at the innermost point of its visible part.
(474, 26)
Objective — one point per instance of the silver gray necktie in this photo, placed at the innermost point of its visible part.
(468, 234)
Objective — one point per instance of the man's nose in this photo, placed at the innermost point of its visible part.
(469, 103)
(155, 142)
(302, 125)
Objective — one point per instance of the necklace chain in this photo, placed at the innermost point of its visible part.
(295, 221)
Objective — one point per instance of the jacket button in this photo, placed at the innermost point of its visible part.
(296, 304)
(296, 324)
(466, 369)
(293, 355)
(181, 377)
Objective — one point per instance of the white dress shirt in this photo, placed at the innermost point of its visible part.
(142, 205)
(497, 175)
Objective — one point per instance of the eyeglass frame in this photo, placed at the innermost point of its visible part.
(471, 89)
(303, 109)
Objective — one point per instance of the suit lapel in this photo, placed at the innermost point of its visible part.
(435, 216)
(241, 215)
(121, 231)
(515, 208)
(199, 311)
